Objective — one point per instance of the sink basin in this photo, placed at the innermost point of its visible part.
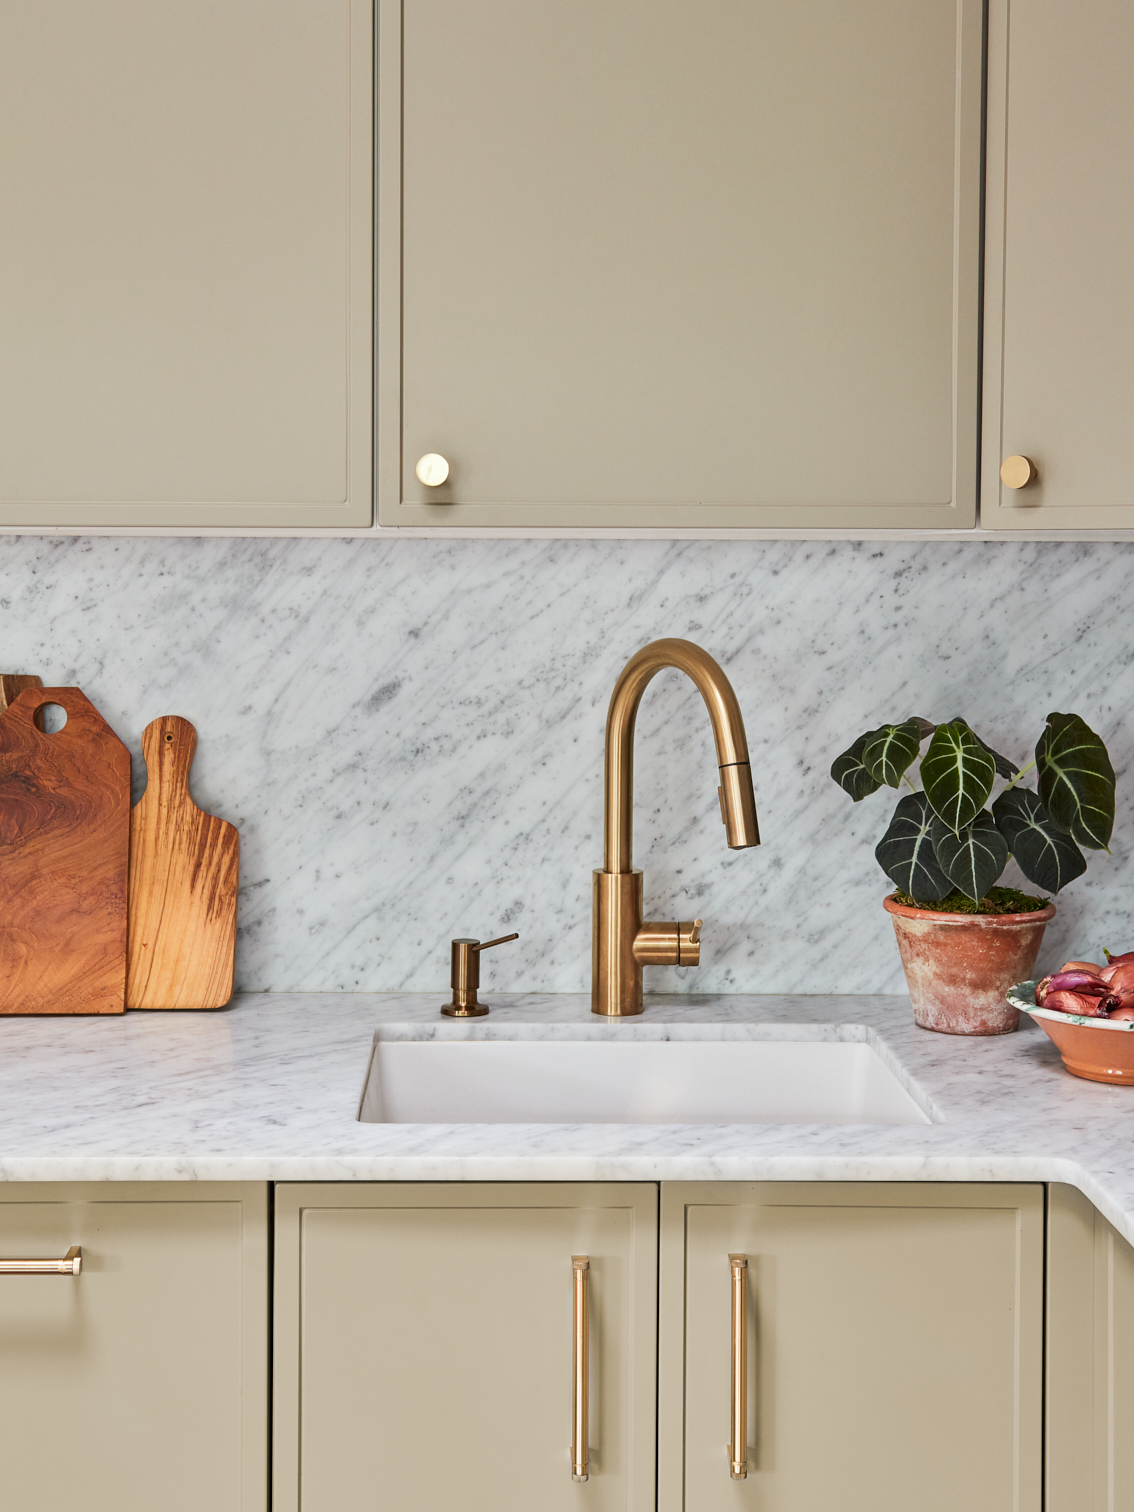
(662, 1075)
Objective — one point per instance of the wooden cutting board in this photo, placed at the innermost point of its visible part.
(184, 867)
(12, 684)
(64, 848)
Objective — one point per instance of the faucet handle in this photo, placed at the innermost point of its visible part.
(668, 943)
(689, 943)
(464, 977)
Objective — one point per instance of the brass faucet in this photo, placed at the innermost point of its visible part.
(622, 943)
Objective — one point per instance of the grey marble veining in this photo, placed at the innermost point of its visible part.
(269, 1090)
(409, 733)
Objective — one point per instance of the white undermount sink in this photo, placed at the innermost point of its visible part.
(666, 1074)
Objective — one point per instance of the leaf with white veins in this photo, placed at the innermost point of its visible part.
(1044, 853)
(1076, 779)
(957, 773)
(1005, 767)
(890, 750)
(905, 852)
(851, 773)
(973, 859)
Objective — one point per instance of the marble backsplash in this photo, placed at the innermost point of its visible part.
(409, 733)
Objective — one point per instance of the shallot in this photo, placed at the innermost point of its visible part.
(1079, 981)
(1120, 976)
(1081, 1003)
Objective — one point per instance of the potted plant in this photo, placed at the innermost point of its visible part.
(963, 940)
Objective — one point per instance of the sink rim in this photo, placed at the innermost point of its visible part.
(621, 1031)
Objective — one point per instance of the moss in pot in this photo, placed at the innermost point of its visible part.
(963, 940)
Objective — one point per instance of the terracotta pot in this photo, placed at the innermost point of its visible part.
(960, 966)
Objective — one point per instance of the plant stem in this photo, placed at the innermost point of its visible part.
(1023, 772)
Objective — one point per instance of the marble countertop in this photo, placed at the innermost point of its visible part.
(269, 1089)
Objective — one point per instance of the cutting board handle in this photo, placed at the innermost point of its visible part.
(83, 719)
(169, 745)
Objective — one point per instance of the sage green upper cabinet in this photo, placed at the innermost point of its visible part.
(1059, 315)
(186, 215)
(679, 263)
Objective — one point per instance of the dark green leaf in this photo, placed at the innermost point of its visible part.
(957, 774)
(851, 774)
(1076, 779)
(1046, 855)
(905, 852)
(1005, 767)
(889, 751)
(973, 859)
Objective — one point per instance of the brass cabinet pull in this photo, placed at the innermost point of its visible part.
(580, 1370)
(738, 1449)
(70, 1265)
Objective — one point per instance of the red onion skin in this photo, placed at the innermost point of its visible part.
(1117, 960)
(1078, 981)
(1121, 1001)
(1041, 991)
(1120, 978)
(1126, 1014)
(1077, 1002)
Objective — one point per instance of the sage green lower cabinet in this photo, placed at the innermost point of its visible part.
(141, 1383)
(894, 1347)
(424, 1340)
(1090, 1359)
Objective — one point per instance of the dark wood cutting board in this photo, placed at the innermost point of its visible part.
(183, 882)
(64, 854)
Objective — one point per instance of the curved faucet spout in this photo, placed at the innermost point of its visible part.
(622, 940)
(738, 803)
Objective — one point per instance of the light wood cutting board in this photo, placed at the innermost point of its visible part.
(64, 846)
(12, 684)
(184, 867)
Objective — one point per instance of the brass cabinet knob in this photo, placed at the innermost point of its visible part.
(1018, 472)
(432, 470)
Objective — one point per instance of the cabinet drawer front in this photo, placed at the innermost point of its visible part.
(894, 1347)
(425, 1347)
(139, 1383)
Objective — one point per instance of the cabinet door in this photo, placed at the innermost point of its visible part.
(424, 1347)
(1059, 318)
(894, 1347)
(679, 263)
(1090, 1359)
(143, 1381)
(185, 262)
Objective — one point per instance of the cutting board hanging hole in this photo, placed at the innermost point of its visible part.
(52, 718)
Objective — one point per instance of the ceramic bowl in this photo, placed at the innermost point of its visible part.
(1102, 1050)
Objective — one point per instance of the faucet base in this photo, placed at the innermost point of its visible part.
(616, 975)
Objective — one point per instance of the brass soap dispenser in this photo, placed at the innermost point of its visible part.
(465, 977)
